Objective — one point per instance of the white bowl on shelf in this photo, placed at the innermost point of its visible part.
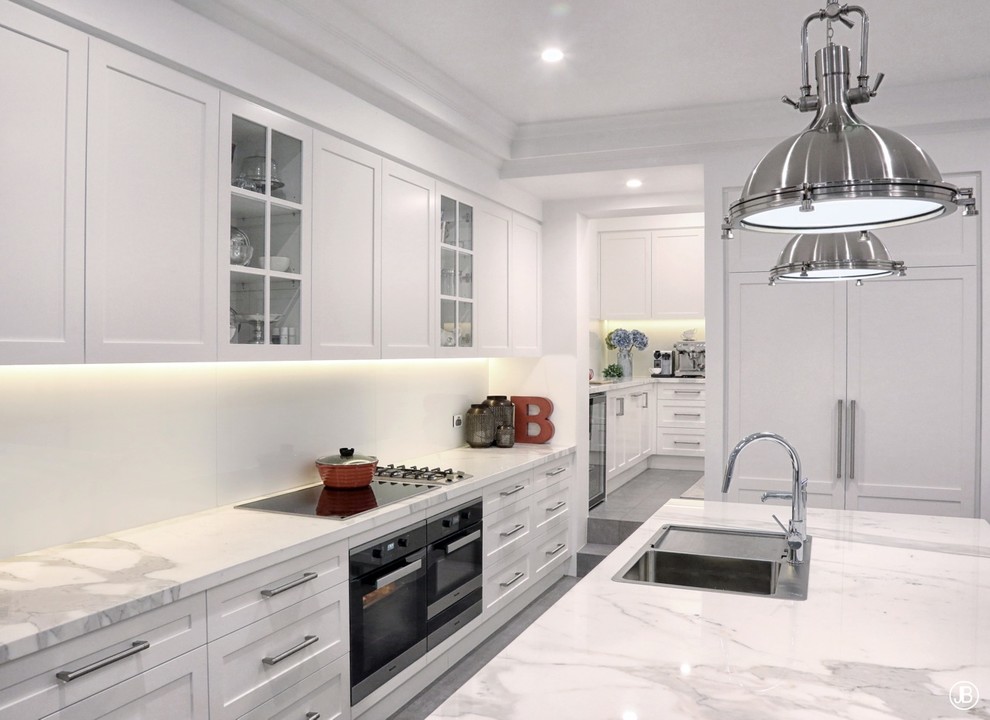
(278, 263)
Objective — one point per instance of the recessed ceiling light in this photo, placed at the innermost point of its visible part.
(552, 55)
(634, 183)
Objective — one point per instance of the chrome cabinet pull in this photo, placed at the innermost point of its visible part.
(307, 641)
(560, 546)
(70, 675)
(838, 442)
(687, 392)
(461, 542)
(686, 442)
(852, 439)
(513, 491)
(515, 578)
(558, 506)
(312, 716)
(398, 574)
(272, 592)
(556, 471)
(677, 414)
(513, 531)
(621, 410)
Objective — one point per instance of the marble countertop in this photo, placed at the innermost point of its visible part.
(898, 612)
(52, 595)
(603, 386)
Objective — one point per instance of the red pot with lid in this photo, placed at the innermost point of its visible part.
(347, 470)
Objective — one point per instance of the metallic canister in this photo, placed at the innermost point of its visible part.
(504, 410)
(505, 436)
(479, 426)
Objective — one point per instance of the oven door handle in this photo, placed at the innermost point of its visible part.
(402, 572)
(461, 542)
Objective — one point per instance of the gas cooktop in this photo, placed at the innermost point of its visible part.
(423, 474)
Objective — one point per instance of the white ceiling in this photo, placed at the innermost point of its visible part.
(469, 70)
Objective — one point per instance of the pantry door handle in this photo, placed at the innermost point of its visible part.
(838, 442)
(852, 439)
(307, 641)
(70, 675)
(306, 577)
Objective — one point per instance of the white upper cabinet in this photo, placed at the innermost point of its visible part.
(952, 240)
(458, 267)
(151, 212)
(43, 85)
(409, 286)
(347, 250)
(525, 274)
(625, 275)
(492, 241)
(263, 241)
(678, 280)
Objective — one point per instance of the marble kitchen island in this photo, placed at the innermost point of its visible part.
(898, 612)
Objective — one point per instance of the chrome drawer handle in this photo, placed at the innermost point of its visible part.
(556, 471)
(560, 546)
(466, 540)
(307, 641)
(686, 442)
(515, 578)
(513, 491)
(70, 675)
(687, 392)
(687, 415)
(513, 531)
(312, 716)
(556, 507)
(306, 577)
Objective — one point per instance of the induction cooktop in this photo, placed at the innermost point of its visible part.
(321, 501)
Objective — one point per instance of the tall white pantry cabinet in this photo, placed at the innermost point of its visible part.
(876, 385)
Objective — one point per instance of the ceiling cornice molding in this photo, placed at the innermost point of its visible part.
(345, 49)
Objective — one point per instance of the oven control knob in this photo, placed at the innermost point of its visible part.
(449, 522)
(403, 542)
(376, 553)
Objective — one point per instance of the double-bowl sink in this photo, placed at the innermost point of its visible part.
(729, 560)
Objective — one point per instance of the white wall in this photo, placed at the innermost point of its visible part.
(86, 450)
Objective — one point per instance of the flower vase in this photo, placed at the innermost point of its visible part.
(625, 362)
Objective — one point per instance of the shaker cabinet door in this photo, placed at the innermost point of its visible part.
(409, 296)
(492, 236)
(151, 212)
(525, 282)
(43, 145)
(347, 248)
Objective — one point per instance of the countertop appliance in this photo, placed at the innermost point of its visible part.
(453, 561)
(388, 598)
(663, 364)
(597, 430)
(410, 591)
(689, 358)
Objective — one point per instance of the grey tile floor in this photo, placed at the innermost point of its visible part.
(431, 698)
(642, 496)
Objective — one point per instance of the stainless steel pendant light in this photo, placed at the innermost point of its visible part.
(842, 174)
(834, 256)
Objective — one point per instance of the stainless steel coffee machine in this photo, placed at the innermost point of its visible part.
(689, 358)
(663, 364)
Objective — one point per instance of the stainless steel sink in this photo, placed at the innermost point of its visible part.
(722, 560)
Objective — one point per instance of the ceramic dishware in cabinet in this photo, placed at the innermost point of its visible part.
(457, 296)
(265, 203)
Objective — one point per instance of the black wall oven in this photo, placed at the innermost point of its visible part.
(411, 590)
(453, 560)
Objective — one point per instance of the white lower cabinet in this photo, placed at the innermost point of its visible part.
(251, 665)
(175, 689)
(326, 695)
(77, 670)
(508, 579)
(552, 550)
(630, 436)
(680, 429)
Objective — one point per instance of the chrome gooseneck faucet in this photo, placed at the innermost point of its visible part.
(796, 529)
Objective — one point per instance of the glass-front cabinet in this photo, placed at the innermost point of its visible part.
(456, 276)
(265, 263)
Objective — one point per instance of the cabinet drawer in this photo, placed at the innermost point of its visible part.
(507, 529)
(507, 580)
(31, 689)
(558, 471)
(250, 598)
(175, 689)
(551, 503)
(681, 413)
(551, 551)
(681, 391)
(676, 441)
(326, 692)
(255, 663)
(507, 492)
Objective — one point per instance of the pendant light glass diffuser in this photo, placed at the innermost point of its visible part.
(842, 174)
(834, 256)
